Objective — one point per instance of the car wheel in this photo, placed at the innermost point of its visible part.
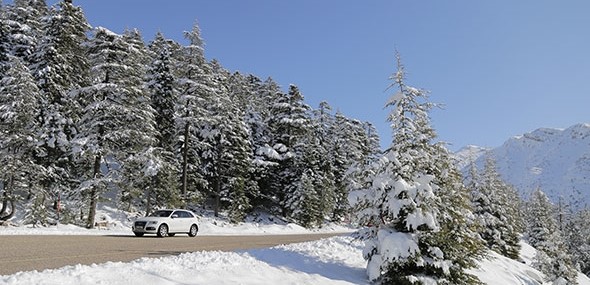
(138, 234)
(163, 230)
(193, 231)
(171, 235)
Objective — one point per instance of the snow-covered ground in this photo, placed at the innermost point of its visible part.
(336, 260)
(119, 223)
(499, 270)
(330, 261)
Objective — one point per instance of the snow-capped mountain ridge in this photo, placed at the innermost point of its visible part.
(468, 154)
(555, 160)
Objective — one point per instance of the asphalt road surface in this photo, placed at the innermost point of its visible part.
(27, 253)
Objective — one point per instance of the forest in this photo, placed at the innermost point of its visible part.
(90, 116)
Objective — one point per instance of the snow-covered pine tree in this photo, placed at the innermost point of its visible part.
(154, 163)
(458, 237)
(118, 120)
(412, 198)
(18, 170)
(259, 118)
(345, 146)
(4, 44)
(577, 236)
(72, 35)
(543, 234)
(226, 156)
(164, 191)
(306, 206)
(243, 92)
(25, 26)
(194, 87)
(321, 151)
(161, 83)
(310, 195)
(355, 147)
(290, 124)
(57, 66)
(497, 211)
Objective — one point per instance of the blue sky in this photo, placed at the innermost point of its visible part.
(501, 68)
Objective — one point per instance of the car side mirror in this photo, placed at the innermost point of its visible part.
(174, 216)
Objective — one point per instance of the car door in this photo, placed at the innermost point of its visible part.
(176, 222)
(186, 221)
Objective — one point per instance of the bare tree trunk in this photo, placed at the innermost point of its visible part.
(94, 194)
(7, 198)
(4, 203)
(12, 211)
(185, 165)
(148, 206)
(217, 183)
(217, 191)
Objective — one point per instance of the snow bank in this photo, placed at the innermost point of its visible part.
(336, 260)
(331, 261)
(500, 270)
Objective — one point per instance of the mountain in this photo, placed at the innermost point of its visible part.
(556, 160)
(470, 153)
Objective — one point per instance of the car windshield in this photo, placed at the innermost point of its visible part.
(161, 213)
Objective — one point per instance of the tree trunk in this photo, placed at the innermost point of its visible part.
(148, 206)
(185, 165)
(217, 179)
(94, 194)
(4, 202)
(8, 199)
(12, 210)
(216, 192)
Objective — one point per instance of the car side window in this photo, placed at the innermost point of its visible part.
(184, 214)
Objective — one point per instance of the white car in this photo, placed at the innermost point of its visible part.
(167, 223)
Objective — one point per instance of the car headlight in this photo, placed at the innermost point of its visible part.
(152, 222)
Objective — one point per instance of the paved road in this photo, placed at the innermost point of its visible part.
(26, 253)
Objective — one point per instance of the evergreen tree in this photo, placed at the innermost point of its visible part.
(25, 26)
(355, 147)
(164, 98)
(161, 83)
(344, 146)
(322, 138)
(4, 44)
(149, 158)
(118, 120)
(310, 195)
(266, 156)
(412, 201)
(497, 212)
(458, 237)
(543, 234)
(289, 124)
(57, 66)
(194, 87)
(226, 155)
(577, 236)
(244, 93)
(305, 201)
(19, 172)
